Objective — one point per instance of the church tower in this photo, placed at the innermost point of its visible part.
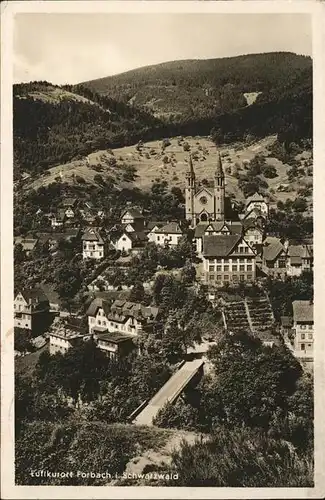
(190, 193)
(219, 191)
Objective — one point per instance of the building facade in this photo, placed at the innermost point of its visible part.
(204, 204)
(31, 310)
(227, 259)
(92, 245)
(303, 326)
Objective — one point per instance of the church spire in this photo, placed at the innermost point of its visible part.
(219, 171)
(191, 170)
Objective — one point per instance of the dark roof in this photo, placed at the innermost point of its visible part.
(153, 224)
(51, 294)
(134, 212)
(69, 202)
(26, 243)
(138, 236)
(235, 227)
(286, 321)
(34, 294)
(303, 310)
(92, 235)
(219, 245)
(255, 197)
(171, 228)
(302, 251)
(216, 226)
(96, 304)
(115, 337)
(271, 252)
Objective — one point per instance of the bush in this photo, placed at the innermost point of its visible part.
(269, 172)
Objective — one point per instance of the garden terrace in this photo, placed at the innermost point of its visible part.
(260, 313)
(235, 315)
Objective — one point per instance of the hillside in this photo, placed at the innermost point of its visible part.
(171, 166)
(54, 124)
(179, 90)
(231, 99)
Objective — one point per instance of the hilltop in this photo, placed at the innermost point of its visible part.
(178, 90)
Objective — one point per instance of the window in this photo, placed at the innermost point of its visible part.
(211, 277)
(234, 267)
(303, 336)
(158, 238)
(219, 260)
(249, 277)
(91, 254)
(100, 254)
(99, 322)
(218, 277)
(282, 263)
(242, 267)
(249, 268)
(310, 336)
(226, 268)
(211, 268)
(241, 250)
(218, 268)
(303, 327)
(302, 347)
(124, 238)
(104, 323)
(242, 277)
(226, 277)
(310, 327)
(92, 320)
(246, 249)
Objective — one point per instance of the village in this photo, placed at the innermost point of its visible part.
(228, 250)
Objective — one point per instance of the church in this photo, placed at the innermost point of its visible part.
(204, 204)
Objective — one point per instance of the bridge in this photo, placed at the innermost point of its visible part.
(169, 392)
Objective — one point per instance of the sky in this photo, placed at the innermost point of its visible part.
(72, 48)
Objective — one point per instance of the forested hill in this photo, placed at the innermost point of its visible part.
(179, 90)
(53, 124)
(231, 98)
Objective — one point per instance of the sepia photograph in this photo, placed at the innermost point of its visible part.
(163, 250)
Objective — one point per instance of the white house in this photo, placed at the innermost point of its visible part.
(134, 217)
(169, 234)
(122, 316)
(299, 259)
(92, 245)
(122, 242)
(31, 309)
(62, 341)
(303, 326)
(257, 201)
(227, 258)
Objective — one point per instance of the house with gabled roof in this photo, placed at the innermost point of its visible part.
(28, 243)
(121, 316)
(92, 244)
(303, 326)
(168, 234)
(256, 201)
(205, 229)
(128, 241)
(274, 258)
(133, 216)
(31, 309)
(227, 258)
(253, 232)
(300, 258)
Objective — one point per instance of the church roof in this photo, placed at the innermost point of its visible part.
(219, 245)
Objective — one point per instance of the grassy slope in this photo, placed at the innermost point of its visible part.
(149, 169)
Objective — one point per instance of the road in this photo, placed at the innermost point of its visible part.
(169, 391)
